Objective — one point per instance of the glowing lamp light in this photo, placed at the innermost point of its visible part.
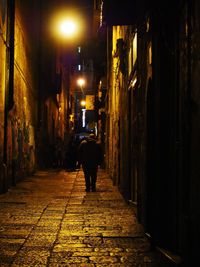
(68, 28)
(81, 82)
(65, 27)
(67, 24)
(83, 103)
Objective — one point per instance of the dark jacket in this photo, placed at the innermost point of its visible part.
(90, 153)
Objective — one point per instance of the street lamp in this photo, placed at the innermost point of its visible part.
(81, 83)
(83, 103)
(66, 28)
(67, 25)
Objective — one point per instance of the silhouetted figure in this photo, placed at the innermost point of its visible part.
(90, 157)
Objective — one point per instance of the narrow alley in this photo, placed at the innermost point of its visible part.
(49, 220)
(127, 73)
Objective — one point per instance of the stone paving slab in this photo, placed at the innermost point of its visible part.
(49, 220)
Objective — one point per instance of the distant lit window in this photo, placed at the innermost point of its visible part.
(79, 67)
(83, 117)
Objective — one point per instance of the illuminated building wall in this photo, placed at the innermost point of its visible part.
(18, 85)
(3, 29)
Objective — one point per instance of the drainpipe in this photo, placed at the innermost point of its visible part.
(9, 100)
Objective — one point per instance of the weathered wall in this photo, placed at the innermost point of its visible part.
(164, 125)
(3, 18)
(21, 116)
(3, 48)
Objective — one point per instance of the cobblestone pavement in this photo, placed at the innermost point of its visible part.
(49, 220)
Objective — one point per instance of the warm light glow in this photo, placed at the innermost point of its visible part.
(133, 83)
(83, 103)
(68, 27)
(81, 82)
(134, 49)
(67, 24)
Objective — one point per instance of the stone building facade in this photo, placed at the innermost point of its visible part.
(19, 48)
(153, 120)
(32, 107)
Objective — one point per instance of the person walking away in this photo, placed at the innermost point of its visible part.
(90, 157)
